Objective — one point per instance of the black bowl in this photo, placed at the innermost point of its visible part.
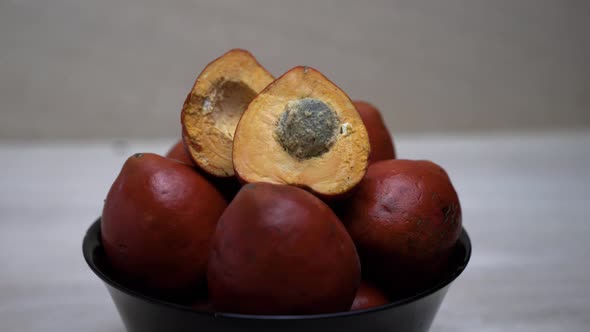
(145, 313)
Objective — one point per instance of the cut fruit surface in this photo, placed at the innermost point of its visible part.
(214, 106)
(302, 130)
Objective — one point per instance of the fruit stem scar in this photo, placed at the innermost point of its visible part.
(346, 129)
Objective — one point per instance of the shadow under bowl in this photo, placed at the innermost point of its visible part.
(142, 312)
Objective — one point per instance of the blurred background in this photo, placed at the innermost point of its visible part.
(72, 69)
(495, 91)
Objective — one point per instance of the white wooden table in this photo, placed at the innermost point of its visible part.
(526, 202)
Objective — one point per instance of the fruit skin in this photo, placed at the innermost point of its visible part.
(280, 250)
(382, 147)
(157, 224)
(368, 296)
(178, 152)
(228, 187)
(405, 219)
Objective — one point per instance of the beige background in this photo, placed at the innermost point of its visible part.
(119, 69)
(73, 69)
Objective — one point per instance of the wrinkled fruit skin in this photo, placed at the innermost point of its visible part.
(157, 224)
(382, 147)
(405, 219)
(368, 296)
(178, 152)
(280, 250)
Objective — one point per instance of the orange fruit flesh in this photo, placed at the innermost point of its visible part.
(302, 130)
(214, 106)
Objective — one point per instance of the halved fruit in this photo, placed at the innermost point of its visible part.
(302, 130)
(213, 108)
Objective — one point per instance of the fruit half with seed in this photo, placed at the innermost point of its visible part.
(214, 106)
(302, 130)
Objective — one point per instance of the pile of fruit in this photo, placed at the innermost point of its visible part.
(283, 197)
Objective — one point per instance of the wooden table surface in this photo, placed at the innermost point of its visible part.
(526, 203)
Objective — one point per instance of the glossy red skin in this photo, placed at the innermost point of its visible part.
(405, 219)
(368, 296)
(157, 223)
(382, 147)
(279, 250)
(179, 152)
(228, 187)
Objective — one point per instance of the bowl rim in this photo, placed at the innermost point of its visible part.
(92, 242)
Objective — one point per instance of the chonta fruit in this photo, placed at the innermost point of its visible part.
(178, 152)
(280, 250)
(228, 187)
(368, 296)
(302, 130)
(405, 219)
(382, 147)
(157, 223)
(213, 108)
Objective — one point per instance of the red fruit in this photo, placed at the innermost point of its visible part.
(379, 137)
(405, 219)
(280, 250)
(157, 223)
(368, 296)
(179, 152)
(228, 186)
